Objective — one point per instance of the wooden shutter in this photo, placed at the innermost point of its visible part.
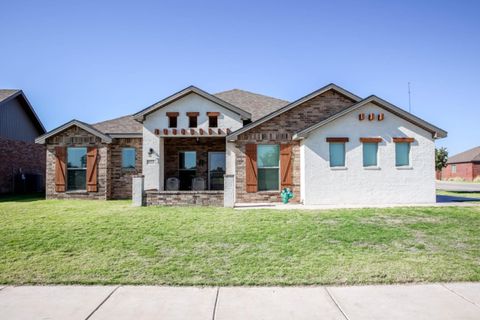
(286, 165)
(251, 167)
(60, 168)
(92, 165)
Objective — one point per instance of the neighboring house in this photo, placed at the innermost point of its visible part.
(22, 162)
(465, 165)
(329, 147)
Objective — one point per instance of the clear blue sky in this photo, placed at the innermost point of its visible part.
(96, 60)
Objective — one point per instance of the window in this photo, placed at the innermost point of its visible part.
(192, 119)
(172, 121)
(187, 168)
(76, 169)
(268, 164)
(402, 154)
(370, 151)
(128, 158)
(337, 154)
(213, 121)
(188, 160)
(454, 168)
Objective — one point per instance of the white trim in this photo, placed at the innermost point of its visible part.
(42, 139)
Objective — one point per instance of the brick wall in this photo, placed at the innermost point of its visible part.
(464, 171)
(77, 137)
(121, 179)
(280, 130)
(19, 155)
(476, 170)
(173, 146)
(184, 198)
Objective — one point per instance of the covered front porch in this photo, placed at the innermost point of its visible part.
(192, 170)
(193, 163)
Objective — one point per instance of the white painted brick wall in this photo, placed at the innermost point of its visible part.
(357, 185)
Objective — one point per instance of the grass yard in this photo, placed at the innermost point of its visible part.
(98, 242)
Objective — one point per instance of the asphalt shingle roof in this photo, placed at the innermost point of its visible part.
(125, 124)
(256, 104)
(466, 156)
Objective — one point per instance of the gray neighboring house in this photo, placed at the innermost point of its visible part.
(22, 162)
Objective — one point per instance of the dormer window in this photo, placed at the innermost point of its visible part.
(213, 119)
(192, 119)
(172, 119)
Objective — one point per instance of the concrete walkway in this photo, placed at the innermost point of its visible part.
(428, 301)
(458, 186)
(442, 201)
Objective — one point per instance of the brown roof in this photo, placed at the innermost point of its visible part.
(124, 124)
(471, 155)
(256, 104)
(5, 93)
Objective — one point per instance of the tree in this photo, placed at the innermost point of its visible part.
(441, 158)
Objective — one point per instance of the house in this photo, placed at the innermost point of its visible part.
(193, 147)
(464, 166)
(22, 162)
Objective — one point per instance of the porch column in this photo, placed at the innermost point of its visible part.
(229, 191)
(161, 163)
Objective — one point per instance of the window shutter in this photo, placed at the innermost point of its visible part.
(92, 165)
(60, 168)
(286, 165)
(251, 167)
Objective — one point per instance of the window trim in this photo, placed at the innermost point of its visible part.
(134, 159)
(67, 189)
(277, 167)
(453, 168)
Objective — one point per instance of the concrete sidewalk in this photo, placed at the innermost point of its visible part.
(427, 301)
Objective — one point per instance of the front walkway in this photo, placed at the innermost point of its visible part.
(426, 301)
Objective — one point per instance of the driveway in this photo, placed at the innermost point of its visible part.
(426, 301)
(458, 186)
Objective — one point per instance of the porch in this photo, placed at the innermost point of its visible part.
(193, 164)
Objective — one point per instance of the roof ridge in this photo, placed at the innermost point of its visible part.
(117, 118)
(250, 92)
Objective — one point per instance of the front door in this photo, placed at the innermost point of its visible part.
(216, 170)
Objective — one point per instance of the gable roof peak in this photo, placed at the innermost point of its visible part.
(331, 86)
(435, 131)
(74, 122)
(140, 116)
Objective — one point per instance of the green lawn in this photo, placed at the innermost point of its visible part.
(98, 242)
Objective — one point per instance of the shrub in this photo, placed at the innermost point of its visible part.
(477, 179)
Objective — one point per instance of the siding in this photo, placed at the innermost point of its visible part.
(15, 123)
